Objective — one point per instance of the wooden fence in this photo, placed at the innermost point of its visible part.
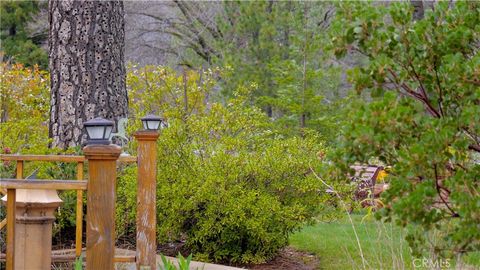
(100, 189)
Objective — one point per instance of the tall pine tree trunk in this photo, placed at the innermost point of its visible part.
(87, 71)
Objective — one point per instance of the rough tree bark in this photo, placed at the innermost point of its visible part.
(87, 72)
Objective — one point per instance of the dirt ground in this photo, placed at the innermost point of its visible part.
(287, 259)
(290, 259)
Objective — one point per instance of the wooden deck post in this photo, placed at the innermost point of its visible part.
(11, 209)
(79, 214)
(146, 199)
(101, 205)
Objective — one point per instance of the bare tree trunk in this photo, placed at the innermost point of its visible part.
(87, 69)
(303, 117)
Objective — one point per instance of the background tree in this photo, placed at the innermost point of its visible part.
(278, 47)
(423, 119)
(18, 43)
(275, 46)
(86, 65)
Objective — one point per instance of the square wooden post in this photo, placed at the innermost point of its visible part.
(11, 209)
(146, 199)
(102, 167)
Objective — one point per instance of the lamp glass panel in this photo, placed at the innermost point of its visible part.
(153, 124)
(144, 124)
(95, 132)
(108, 131)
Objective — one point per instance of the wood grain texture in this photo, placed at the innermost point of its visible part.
(79, 213)
(59, 158)
(3, 223)
(72, 258)
(146, 198)
(55, 158)
(124, 259)
(11, 198)
(127, 159)
(43, 184)
(101, 206)
(19, 170)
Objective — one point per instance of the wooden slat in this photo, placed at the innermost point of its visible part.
(19, 169)
(64, 258)
(124, 259)
(11, 194)
(59, 158)
(127, 159)
(43, 184)
(72, 258)
(3, 223)
(79, 213)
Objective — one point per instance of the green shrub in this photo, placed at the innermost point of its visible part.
(227, 182)
(126, 205)
(24, 109)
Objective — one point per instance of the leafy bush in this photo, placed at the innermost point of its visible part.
(227, 182)
(423, 121)
(126, 206)
(24, 103)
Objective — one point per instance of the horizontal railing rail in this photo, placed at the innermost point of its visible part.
(103, 162)
(43, 184)
(58, 158)
(72, 257)
(79, 185)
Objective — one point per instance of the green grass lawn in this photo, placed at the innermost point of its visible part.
(382, 245)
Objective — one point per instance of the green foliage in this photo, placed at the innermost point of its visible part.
(24, 99)
(24, 103)
(183, 263)
(423, 120)
(78, 264)
(16, 42)
(276, 46)
(383, 244)
(227, 181)
(126, 207)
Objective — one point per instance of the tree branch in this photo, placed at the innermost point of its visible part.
(437, 186)
(419, 96)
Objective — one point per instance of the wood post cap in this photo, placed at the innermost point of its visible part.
(99, 151)
(146, 135)
(36, 198)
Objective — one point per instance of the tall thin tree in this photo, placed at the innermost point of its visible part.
(87, 69)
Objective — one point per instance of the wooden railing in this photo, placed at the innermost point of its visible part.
(80, 160)
(9, 186)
